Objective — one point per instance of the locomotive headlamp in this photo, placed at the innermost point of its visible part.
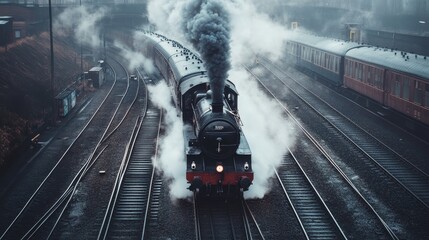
(193, 165)
(219, 168)
(246, 166)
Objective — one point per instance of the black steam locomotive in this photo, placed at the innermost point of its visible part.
(217, 153)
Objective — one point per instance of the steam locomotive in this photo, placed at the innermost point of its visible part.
(218, 157)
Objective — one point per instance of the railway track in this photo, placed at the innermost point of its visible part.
(342, 180)
(411, 177)
(220, 219)
(314, 216)
(41, 209)
(127, 100)
(113, 134)
(127, 214)
(125, 130)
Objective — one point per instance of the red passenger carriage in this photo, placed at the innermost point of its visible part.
(395, 79)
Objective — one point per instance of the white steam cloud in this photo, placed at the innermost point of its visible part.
(252, 33)
(267, 132)
(83, 22)
(171, 155)
(135, 58)
(264, 37)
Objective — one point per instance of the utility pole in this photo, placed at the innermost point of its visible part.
(81, 52)
(52, 63)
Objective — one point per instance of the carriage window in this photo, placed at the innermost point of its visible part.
(406, 88)
(320, 59)
(337, 63)
(427, 95)
(330, 62)
(356, 71)
(378, 82)
(396, 86)
(326, 60)
(312, 56)
(325, 65)
(304, 52)
(316, 58)
(347, 70)
(364, 73)
(368, 76)
(418, 93)
(360, 71)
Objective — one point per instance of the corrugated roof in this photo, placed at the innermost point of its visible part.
(403, 62)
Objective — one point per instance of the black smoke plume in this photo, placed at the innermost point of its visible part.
(207, 28)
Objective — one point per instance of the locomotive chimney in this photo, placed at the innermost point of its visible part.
(217, 107)
(217, 99)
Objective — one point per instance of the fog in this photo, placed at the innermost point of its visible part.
(135, 59)
(171, 157)
(83, 22)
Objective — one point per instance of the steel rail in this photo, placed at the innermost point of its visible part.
(407, 181)
(331, 161)
(58, 163)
